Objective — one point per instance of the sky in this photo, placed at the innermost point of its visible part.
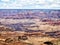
(29, 4)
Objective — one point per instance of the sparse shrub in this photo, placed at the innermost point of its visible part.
(8, 40)
(22, 38)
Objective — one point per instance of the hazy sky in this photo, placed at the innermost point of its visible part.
(29, 4)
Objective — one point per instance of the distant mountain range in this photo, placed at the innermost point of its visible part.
(27, 19)
(29, 13)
